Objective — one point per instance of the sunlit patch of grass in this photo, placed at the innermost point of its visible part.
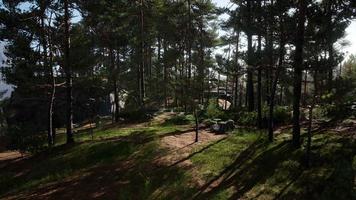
(64, 161)
(122, 132)
(218, 156)
(246, 164)
(277, 171)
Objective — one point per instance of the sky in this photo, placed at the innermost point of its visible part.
(350, 31)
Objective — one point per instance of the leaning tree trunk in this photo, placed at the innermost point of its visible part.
(298, 68)
(68, 72)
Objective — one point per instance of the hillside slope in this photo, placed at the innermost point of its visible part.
(161, 161)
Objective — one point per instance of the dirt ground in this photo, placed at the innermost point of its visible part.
(98, 182)
(181, 146)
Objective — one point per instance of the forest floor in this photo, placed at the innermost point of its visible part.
(156, 160)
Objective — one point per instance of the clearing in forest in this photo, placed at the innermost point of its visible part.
(156, 160)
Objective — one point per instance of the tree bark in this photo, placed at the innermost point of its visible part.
(68, 72)
(114, 82)
(189, 43)
(236, 87)
(196, 125)
(47, 68)
(275, 82)
(51, 134)
(310, 123)
(305, 92)
(298, 68)
(250, 90)
(259, 85)
(141, 66)
(165, 78)
(201, 61)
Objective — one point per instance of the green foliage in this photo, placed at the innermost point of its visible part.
(136, 115)
(208, 122)
(180, 119)
(22, 139)
(320, 112)
(243, 158)
(213, 111)
(338, 112)
(282, 115)
(247, 118)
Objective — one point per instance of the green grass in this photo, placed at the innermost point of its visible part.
(249, 167)
(111, 146)
(107, 133)
(242, 165)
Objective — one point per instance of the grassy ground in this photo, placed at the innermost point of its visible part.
(120, 163)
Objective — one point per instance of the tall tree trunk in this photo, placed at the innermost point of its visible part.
(158, 65)
(259, 85)
(201, 61)
(250, 90)
(331, 70)
(218, 88)
(165, 78)
(281, 96)
(269, 47)
(226, 90)
(275, 82)
(189, 43)
(68, 72)
(51, 132)
(236, 87)
(196, 125)
(330, 47)
(298, 69)
(142, 57)
(114, 82)
(305, 91)
(309, 140)
(47, 68)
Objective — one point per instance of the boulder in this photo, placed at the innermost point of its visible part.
(222, 127)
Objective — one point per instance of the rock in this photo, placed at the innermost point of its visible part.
(215, 128)
(230, 125)
(222, 127)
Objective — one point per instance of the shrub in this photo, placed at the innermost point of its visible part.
(247, 118)
(213, 111)
(136, 115)
(208, 122)
(338, 111)
(282, 115)
(24, 140)
(320, 112)
(178, 120)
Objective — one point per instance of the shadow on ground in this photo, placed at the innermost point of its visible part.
(125, 168)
